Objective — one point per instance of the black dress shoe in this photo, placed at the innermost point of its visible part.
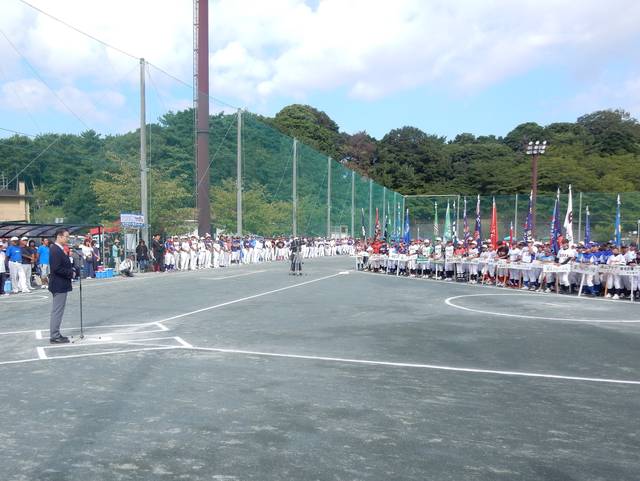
(59, 340)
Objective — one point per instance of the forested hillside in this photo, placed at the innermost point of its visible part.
(91, 177)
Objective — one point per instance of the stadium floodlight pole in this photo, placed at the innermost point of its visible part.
(144, 183)
(328, 197)
(294, 185)
(239, 177)
(535, 150)
(353, 203)
(370, 206)
(201, 84)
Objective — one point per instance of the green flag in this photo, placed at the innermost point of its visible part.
(446, 235)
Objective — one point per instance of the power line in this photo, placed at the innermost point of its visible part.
(117, 49)
(17, 133)
(43, 80)
(80, 31)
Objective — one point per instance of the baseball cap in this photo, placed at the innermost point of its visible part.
(14, 238)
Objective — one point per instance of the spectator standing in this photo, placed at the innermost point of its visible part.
(28, 254)
(157, 247)
(87, 254)
(116, 254)
(43, 262)
(4, 268)
(14, 254)
(142, 255)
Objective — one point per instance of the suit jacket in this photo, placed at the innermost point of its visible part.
(61, 270)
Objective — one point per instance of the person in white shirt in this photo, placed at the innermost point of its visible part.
(614, 280)
(565, 255)
(514, 258)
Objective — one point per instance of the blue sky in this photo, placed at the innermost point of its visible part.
(444, 67)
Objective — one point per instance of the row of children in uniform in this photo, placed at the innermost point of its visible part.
(192, 252)
(526, 265)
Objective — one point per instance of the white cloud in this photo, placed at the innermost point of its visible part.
(369, 48)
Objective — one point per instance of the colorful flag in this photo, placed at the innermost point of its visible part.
(436, 229)
(364, 227)
(407, 229)
(587, 229)
(618, 233)
(446, 234)
(387, 227)
(465, 225)
(555, 236)
(568, 219)
(376, 233)
(477, 233)
(528, 225)
(399, 231)
(454, 224)
(494, 226)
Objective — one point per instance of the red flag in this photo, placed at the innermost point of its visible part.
(377, 228)
(494, 226)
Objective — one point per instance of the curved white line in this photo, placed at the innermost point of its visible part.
(449, 302)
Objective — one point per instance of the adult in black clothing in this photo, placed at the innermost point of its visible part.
(296, 256)
(62, 272)
(157, 247)
(142, 255)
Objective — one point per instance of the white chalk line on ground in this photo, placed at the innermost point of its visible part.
(419, 366)
(23, 300)
(188, 347)
(242, 299)
(492, 287)
(222, 278)
(449, 301)
(67, 329)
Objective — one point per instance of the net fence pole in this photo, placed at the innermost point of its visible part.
(515, 219)
(328, 197)
(239, 176)
(353, 203)
(294, 193)
(579, 217)
(458, 217)
(370, 204)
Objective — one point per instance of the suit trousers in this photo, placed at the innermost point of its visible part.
(57, 311)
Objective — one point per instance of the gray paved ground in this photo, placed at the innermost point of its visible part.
(163, 411)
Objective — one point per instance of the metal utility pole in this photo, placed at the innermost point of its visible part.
(201, 84)
(328, 197)
(294, 193)
(144, 182)
(239, 177)
(535, 150)
(353, 204)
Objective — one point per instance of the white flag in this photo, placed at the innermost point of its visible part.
(568, 220)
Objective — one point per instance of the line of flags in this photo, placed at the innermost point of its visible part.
(401, 228)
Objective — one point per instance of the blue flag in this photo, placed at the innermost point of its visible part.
(555, 226)
(477, 232)
(406, 238)
(465, 225)
(618, 233)
(587, 229)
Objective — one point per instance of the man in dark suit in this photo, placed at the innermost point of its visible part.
(59, 284)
